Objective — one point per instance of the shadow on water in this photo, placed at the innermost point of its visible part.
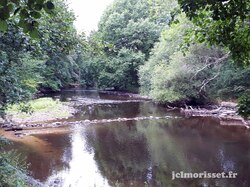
(139, 153)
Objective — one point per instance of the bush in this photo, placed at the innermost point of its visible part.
(12, 168)
(243, 105)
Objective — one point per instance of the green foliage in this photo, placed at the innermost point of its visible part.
(153, 73)
(57, 32)
(18, 82)
(199, 76)
(59, 72)
(243, 105)
(120, 72)
(163, 11)
(25, 13)
(27, 65)
(226, 24)
(170, 76)
(231, 83)
(127, 34)
(169, 43)
(221, 23)
(125, 25)
(62, 46)
(12, 167)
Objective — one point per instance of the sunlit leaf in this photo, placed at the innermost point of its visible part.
(35, 14)
(34, 33)
(3, 25)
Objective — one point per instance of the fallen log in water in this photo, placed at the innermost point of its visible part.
(206, 112)
(226, 112)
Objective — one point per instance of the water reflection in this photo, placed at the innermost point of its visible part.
(82, 169)
(139, 153)
(147, 152)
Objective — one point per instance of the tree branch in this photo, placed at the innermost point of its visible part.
(205, 82)
(215, 62)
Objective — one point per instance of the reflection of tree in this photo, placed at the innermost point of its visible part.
(194, 145)
(148, 151)
(120, 152)
(110, 111)
(165, 151)
(152, 109)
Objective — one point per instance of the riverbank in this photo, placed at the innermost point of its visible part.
(42, 110)
(53, 116)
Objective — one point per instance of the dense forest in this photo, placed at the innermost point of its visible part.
(178, 52)
(174, 52)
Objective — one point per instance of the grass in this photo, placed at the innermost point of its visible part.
(39, 106)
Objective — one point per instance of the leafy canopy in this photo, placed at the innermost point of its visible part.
(26, 14)
(223, 22)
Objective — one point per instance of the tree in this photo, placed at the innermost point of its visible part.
(27, 64)
(120, 72)
(225, 23)
(124, 25)
(60, 44)
(18, 76)
(25, 13)
(128, 34)
(166, 75)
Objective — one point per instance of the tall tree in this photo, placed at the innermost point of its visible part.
(26, 63)
(129, 30)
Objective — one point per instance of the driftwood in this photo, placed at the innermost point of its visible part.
(171, 108)
(227, 111)
(220, 111)
(14, 129)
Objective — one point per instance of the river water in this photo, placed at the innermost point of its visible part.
(140, 152)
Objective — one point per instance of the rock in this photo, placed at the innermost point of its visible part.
(229, 112)
(22, 126)
(6, 125)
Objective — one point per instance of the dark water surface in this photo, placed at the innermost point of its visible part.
(137, 153)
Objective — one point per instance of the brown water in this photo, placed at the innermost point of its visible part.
(137, 153)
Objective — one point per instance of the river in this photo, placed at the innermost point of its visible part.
(140, 152)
